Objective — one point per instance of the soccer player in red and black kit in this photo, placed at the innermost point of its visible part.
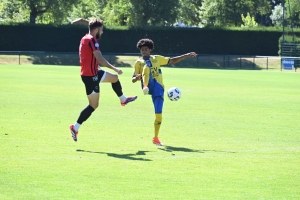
(91, 74)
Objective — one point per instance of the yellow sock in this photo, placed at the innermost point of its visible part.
(157, 122)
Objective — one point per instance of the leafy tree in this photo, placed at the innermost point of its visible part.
(189, 12)
(263, 9)
(153, 12)
(57, 8)
(276, 2)
(118, 12)
(114, 12)
(277, 15)
(293, 12)
(225, 12)
(86, 9)
(13, 11)
(148, 12)
(248, 21)
(129, 12)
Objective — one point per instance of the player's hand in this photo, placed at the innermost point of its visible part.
(138, 77)
(145, 90)
(192, 54)
(119, 71)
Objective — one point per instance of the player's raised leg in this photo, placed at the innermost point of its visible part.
(117, 87)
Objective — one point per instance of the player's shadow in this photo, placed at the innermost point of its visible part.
(121, 156)
(177, 149)
(188, 150)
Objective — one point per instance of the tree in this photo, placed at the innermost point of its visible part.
(128, 12)
(118, 12)
(13, 11)
(248, 21)
(86, 9)
(57, 8)
(147, 12)
(189, 12)
(293, 12)
(113, 12)
(225, 12)
(263, 9)
(277, 15)
(153, 12)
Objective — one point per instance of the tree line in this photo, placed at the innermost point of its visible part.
(200, 13)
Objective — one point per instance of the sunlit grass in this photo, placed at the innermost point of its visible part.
(234, 134)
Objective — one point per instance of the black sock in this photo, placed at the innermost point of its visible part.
(85, 114)
(117, 88)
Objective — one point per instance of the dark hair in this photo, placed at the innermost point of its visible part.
(145, 42)
(95, 23)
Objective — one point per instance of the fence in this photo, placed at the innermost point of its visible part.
(290, 49)
(244, 62)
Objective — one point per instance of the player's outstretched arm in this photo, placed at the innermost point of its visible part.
(104, 62)
(177, 59)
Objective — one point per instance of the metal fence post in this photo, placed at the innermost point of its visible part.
(240, 62)
(228, 64)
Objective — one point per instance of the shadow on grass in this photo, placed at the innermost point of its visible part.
(121, 156)
(70, 59)
(201, 62)
(134, 156)
(183, 149)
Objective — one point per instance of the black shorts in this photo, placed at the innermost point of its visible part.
(92, 82)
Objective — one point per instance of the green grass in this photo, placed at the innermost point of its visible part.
(234, 134)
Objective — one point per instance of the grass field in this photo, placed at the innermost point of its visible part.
(234, 134)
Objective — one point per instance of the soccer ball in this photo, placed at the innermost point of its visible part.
(174, 94)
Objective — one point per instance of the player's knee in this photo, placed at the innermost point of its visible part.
(157, 122)
(95, 105)
(115, 78)
(158, 118)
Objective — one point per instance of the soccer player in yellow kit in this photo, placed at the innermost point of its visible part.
(147, 69)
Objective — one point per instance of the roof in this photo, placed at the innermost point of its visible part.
(80, 21)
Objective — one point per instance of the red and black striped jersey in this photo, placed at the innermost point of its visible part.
(88, 62)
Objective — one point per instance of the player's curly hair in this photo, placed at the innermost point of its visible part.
(95, 23)
(145, 42)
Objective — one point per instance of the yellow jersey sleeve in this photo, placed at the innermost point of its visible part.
(162, 60)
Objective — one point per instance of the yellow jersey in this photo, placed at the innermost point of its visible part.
(153, 71)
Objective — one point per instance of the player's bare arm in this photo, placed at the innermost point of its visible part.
(104, 62)
(136, 77)
(177, 59)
